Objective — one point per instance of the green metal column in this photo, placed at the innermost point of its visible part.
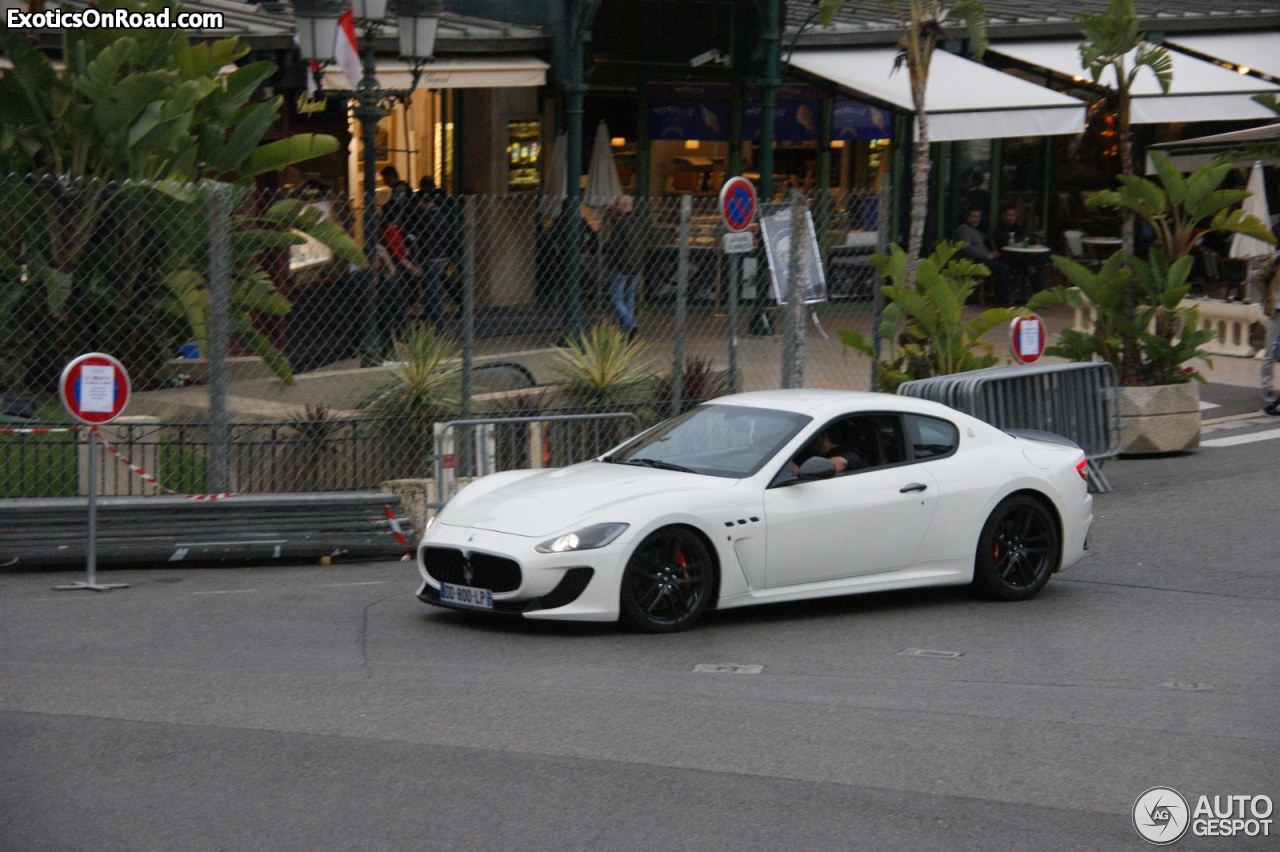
(736, 108)
(642, 145)
(770, 41)
(575, 93)
(822, 197)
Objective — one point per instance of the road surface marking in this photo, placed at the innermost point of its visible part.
(1235, 440)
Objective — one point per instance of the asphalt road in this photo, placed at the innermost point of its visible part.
(320, 708)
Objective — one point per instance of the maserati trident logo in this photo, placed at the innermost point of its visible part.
(467, 573)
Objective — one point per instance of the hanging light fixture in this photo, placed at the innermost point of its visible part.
(418, 22)
(317, 22)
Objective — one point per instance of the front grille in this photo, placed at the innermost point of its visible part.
(448, 565)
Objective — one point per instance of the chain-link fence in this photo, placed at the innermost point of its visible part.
(263, 357)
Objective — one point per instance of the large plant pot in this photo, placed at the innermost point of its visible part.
(1159, 419)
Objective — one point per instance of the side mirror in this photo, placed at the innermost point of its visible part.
(817, 468)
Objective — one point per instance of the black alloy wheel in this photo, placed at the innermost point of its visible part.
(668, 581)
(1018, 551)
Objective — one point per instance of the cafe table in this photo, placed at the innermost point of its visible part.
(1026, 250)
(1100, 246)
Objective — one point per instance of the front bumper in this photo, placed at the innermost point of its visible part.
(568, 590)
(580, 586)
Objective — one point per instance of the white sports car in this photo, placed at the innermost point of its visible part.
(760, 497)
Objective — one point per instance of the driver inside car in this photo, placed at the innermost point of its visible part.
(844, 457)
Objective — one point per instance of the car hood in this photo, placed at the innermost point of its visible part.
(544, 503)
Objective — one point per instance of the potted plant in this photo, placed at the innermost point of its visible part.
(1136, 308)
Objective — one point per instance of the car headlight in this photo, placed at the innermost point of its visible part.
(587, 538)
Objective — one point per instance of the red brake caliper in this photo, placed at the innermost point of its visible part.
(682, 562)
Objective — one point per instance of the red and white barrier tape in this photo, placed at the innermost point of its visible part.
(150, 478)
(41, 430)
(398, 532)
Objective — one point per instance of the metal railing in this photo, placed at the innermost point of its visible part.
(479, 447)
(1076, 400)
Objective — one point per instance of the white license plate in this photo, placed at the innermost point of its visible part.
(466, 596)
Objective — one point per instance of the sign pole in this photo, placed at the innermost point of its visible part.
(91, 543)
(738, 210)
(94, 389)
(735, 273)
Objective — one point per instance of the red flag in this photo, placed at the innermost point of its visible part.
(346, 50)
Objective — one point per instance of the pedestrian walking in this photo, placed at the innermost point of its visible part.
(397, 278)
(1271, 354)
(624, 245)
(431, 233)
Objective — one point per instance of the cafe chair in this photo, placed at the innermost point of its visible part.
(1075, 248)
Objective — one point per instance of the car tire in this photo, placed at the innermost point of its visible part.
(668, 581)
(1018, 551)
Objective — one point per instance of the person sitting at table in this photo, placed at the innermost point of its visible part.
(977, 248)
(1009, 232)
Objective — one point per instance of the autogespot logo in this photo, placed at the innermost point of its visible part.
(1160, 815)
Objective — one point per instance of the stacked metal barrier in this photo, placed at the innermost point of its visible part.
(1077, 401)
(138, 531)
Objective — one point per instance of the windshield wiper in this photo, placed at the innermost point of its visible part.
(661, 465)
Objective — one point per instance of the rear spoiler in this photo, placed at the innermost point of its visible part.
(1045, 437)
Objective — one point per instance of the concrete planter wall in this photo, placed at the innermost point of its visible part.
(1231, 323)
(1159, 419)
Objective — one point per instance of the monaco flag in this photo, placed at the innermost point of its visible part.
(346, 51)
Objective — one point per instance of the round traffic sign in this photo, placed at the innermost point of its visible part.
(738, 203)
(94, 388)
(1027, 338)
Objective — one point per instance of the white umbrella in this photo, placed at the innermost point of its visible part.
(603, 183)
(556, 187)
(1243, 246)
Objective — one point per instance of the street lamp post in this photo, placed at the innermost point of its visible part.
(318, 31)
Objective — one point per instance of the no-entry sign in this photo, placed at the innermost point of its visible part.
(738, 203)
(1026, 338)
(94, 388)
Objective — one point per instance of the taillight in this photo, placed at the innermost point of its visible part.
(1082, 468)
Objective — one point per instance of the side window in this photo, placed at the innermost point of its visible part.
(875, 438)
(931, 438)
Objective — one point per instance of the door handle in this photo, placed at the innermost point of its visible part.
(915, 486)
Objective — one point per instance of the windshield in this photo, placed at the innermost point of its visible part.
(716, 440)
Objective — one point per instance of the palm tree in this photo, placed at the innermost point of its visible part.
(923, 23)
(103, 219)
(1113, 40)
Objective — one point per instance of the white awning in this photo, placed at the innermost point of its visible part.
(963, 100)
(1200, 91)
(1257, 51)
(1190, 154)
(487, 73)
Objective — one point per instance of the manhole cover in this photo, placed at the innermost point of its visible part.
(1187, 685)
(728, 668)
(929, 652)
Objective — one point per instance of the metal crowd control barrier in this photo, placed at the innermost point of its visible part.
(527, 442)
(1076, 401)
(50, 531)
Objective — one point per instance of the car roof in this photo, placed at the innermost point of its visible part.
(822, 403)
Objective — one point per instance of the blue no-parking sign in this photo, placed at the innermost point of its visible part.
(738, 203)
